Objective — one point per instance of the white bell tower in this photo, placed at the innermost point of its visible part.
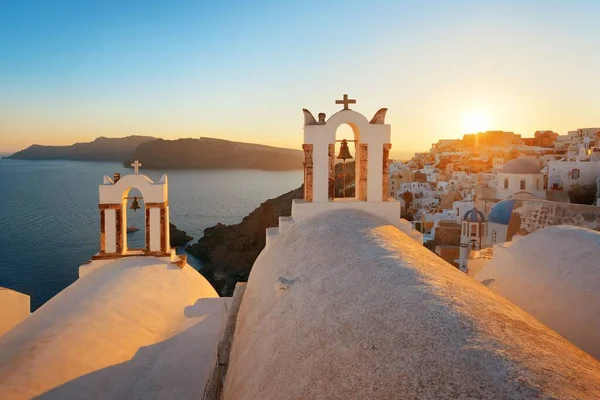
(473, 230)
(370, 140)
(114, 195)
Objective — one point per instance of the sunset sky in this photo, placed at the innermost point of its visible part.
(243, 70)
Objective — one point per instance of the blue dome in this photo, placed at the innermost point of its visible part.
(501, 212)
(474, 215)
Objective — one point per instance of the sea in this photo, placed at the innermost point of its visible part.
(50, 222)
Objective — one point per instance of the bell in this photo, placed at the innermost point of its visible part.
(344, 151)
(134, 204)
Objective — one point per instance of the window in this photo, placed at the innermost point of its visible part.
(473, 230)
(537, 184)
(505, 183)
(522, 184)
(575, 173)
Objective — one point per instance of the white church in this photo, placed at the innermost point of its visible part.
(344, 302)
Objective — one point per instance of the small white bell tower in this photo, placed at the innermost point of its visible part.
(473, 230)
(114, 195)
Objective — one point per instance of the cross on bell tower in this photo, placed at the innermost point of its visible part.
(346, 101)
(136, 167)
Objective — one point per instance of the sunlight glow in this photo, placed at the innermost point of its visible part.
(476, 121)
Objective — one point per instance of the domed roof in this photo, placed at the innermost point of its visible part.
(501, 212)
(521, 195)
(101, 322)
(315, 335)
(553, 275)
(474, 215)
(520, 166)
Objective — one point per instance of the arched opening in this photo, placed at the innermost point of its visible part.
(523, 184)
(134, 210)
(345, 163)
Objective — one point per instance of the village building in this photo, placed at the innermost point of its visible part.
(520, 176)
(577, 178)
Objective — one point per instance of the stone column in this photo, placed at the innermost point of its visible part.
(108, 229)
(308, 172)
(331, 171)
(386, 169)
(363, 168)
(163, 235)
(147, 247)
(102, 231)
(119, 228)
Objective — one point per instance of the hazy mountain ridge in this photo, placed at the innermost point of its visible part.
(101, 149)
(209, 153)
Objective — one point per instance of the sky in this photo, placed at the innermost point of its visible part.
(71, 71)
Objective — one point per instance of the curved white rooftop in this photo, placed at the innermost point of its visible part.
(137, 327)
(554, 274)
(520, 166)
(345, 306)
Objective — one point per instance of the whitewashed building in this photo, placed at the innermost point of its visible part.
(520, 175)
(566, 175)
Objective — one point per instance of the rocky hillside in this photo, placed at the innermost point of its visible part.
(178, 237)
(101, 149)
(228, 251)
(207, 153)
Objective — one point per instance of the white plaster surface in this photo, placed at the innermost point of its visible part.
(388, 210)
(367, 313)
(554, 274)
(133, 328)
(151, 192)
(155, 233)
(14, 306)
(110, 231)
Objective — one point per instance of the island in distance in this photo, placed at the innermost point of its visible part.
(101, 149)
(209, 153)
(201, 153)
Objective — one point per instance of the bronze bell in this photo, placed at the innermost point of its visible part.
(134, 204)
(344, 151)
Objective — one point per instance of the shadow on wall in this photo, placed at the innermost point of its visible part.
(179, 367)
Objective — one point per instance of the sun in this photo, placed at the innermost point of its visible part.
(476, 121)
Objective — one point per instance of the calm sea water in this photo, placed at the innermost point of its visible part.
(49, 218)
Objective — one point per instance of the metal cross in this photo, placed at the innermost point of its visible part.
(346, 101)
(136, 167)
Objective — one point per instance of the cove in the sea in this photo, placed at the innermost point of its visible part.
(49, 217)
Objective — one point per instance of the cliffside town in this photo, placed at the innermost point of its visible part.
(437, 188)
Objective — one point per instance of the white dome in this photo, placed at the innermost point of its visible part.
(554, 275)
(345, 306)
(520, 166)
(117, 332)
